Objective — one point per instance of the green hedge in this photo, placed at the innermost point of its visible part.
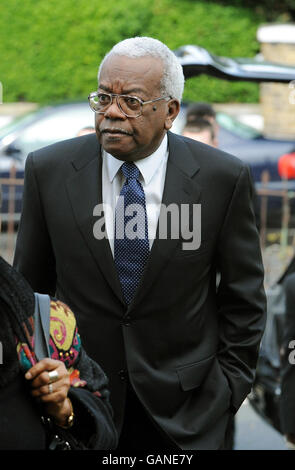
(273, 10)
(50, 49)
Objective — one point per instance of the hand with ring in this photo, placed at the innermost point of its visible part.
(50, 384)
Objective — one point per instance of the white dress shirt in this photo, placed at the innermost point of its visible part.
(152, 177)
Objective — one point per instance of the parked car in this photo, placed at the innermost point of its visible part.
(4, 120)
(37, 129)
(42, 127)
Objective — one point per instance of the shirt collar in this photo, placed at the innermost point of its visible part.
(147, 166)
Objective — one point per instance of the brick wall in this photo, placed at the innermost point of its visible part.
(276, 108)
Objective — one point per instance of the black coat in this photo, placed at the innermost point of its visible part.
(287, 404)
(190, 349)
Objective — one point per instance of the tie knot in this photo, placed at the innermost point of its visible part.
(130, 170)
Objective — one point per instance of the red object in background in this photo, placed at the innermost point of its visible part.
(286, 166)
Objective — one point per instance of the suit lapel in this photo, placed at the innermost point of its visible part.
(180, 188)
(85, 192)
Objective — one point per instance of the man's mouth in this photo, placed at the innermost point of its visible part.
(114, 131)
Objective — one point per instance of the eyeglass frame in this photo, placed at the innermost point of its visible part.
(117, 95)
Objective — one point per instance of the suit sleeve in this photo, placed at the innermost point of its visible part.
(240, 295)
(34, 256)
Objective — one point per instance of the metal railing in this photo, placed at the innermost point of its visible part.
(286, 193)
(9, 218)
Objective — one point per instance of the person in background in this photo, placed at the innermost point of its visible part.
(65, 393)
(200, 129)
(201, 110)
(85, 130)
(198, 116)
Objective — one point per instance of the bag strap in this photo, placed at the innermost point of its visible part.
(42, 325)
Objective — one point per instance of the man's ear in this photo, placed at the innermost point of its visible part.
(173, 108)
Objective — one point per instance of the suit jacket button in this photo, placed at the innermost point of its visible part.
(122, 374)
(127, 320)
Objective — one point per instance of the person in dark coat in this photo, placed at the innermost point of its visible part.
(287, 402)
(179, 353)
(66, 393)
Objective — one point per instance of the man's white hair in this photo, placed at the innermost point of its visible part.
(172, 82)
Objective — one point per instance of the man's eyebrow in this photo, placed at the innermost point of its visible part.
(125, 92)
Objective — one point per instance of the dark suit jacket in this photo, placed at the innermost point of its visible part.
(190, 349)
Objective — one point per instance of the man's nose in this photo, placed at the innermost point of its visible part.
(113, 111)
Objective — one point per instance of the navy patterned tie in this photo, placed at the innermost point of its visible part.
(131, 244)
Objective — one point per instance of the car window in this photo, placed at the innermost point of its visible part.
(231, 124)
(236, 127)
(60, 125)
(19, 123)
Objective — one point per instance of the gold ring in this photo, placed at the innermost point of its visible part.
(53, 376)
(50, 388)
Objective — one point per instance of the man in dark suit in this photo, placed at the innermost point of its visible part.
(179, 353)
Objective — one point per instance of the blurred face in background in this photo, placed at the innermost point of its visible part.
(200, 112)
(203, 133)
(85, 131)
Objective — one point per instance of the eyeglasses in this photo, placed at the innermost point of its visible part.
(131, 106)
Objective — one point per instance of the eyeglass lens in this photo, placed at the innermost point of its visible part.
(128, 104)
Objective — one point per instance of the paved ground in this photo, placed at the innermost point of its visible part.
(254, 433)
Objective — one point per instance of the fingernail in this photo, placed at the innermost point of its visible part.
(28, 375)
